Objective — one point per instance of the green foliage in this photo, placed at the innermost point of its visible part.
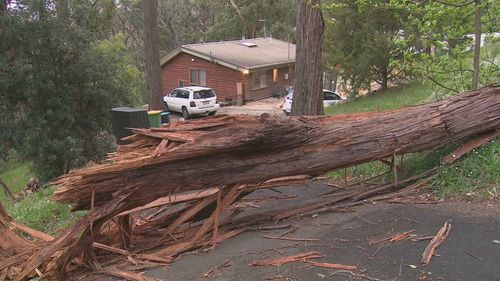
(16, 175)
(392, 98)
(478, 175)
(59, 78)
(442, 41)
(38, 211)
(363, 45)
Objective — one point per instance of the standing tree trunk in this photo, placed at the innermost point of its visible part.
(152, 54)
(477, 44)
(308, 92)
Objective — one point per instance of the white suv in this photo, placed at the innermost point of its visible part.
(192, 101)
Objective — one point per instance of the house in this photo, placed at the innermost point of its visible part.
(240, 70)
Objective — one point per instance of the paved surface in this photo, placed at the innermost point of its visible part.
(467, 254)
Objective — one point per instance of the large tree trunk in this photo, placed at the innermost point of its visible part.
(237, 154)
(477, 44)
(152, 54)
(247, 149)
(308, 91)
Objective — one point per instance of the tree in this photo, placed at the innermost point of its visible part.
(477, 44)
(152, 54)
(364, 45)
(308, 90)
(57, 82)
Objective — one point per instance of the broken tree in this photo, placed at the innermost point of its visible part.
(212, 163)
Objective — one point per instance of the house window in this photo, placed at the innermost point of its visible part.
(286, 76)
(259, 80)
(181, 83)
(275, 75)
(197, 77)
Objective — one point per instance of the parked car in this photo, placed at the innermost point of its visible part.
(329, 98)
(192, 101)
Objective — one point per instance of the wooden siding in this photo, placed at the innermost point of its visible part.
(220, 78)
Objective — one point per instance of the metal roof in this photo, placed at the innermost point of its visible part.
(248, 54)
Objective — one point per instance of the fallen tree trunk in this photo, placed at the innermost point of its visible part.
(248, 149)
(234, 155)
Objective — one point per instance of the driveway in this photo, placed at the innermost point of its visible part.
(469, 252)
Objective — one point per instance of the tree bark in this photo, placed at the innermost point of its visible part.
(477, 44)
(248, 149)
(308, 90)
(152, 54)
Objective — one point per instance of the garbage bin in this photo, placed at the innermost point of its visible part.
(127, 117)
(154, 118)
(165, 117)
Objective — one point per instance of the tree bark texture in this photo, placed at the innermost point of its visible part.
(477, 44)
(152, 54)
(230, 150)
(308, 90)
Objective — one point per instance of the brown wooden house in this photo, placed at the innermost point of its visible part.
(250, 69)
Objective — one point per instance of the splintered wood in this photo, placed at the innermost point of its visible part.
(176, 189)
(435, 243)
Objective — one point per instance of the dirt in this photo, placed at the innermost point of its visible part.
(467, 254)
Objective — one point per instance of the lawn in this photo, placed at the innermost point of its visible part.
(394, 98)
(36, 210)
(15, 175)
(476, 176)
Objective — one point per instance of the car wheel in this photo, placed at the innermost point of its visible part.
(185, 113)
(212, 113)
(166, 107)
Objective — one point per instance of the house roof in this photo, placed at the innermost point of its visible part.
(248, 54)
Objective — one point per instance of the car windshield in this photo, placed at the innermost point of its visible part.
(203, 94)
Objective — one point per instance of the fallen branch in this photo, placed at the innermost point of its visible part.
(435, 243)
(393, 238)
(288, 259)
(332, 265)
(469, 146)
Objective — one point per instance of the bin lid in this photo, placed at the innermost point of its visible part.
(127, 109)
(165, 113)
(154, 112)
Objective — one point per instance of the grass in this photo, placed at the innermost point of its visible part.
(394, 98)
(475, 176)
(16, 175)
(38, 211)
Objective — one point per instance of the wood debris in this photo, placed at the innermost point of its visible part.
(217, 270)
(332, 265)
(394, 238)
(303, 257)
(435, 243)
(144, 202)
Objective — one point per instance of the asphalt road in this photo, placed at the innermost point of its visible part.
(468, 254)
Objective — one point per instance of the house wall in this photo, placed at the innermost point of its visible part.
(272, 86)
(220, 78)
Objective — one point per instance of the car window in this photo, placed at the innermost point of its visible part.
(289, 96)
(203, 94)
(173, 94)
(331, 96)
(183, 95)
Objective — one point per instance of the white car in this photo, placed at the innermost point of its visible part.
(192, 101)
(330, 98)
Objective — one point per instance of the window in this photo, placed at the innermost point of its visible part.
(286, 76)
(275, 75)
(173, 94)
(203, 94)
(259, 80)
(183, 95)
(331, 96)
(181, 83)
(197, 77)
